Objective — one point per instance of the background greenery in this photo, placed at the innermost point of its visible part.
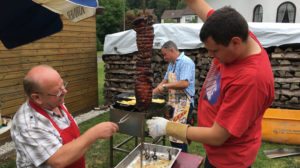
(101, 77)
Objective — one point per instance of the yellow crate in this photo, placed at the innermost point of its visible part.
(281, 126)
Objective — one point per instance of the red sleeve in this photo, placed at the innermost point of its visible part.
(210, 12)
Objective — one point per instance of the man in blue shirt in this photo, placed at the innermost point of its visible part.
(179, 80)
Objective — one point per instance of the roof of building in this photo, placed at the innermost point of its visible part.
(188, 11)
(172, 14)
(149, 11)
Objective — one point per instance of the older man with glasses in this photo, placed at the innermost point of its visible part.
(44, 132)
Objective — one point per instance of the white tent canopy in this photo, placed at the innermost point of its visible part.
(186, 36)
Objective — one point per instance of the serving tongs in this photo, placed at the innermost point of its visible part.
(124, 118)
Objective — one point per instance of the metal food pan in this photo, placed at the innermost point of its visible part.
(161, 152)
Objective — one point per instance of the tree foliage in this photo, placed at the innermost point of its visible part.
(109, 21)
(194, 20)
(135, 4)
(173, 4)
(159, 6)
(99, 45)
(169, 20)
(181, 5)
(129, 18)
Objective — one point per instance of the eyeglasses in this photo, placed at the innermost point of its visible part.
(61, 91)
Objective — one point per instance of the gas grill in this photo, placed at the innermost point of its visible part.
(135, 124)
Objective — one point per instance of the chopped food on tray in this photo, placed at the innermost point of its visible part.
(160, 163)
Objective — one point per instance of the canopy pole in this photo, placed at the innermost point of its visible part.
(144, 7)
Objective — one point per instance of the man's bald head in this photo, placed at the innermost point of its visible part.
(37, 77)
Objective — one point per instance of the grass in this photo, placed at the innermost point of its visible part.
(101, 77)
(284, 162)
(98, 154)
(11, 163)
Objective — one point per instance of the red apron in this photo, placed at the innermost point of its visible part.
(67, 134)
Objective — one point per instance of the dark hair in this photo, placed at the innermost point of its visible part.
(30, 86)
(224, 24)
(170, 44)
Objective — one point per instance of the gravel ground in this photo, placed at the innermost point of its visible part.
(9, 147)
(99, 59)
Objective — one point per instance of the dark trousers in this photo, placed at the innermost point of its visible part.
(208, 165)
(190, 115)
(183, 146)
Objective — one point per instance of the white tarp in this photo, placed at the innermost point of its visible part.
(120, 43)
(186, 36)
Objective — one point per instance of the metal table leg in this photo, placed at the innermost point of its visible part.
(111, 164)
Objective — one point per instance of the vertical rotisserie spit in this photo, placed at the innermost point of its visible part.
(143, 81)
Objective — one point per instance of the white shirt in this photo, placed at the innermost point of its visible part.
(35, 138)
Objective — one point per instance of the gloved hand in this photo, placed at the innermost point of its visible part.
(157, 126)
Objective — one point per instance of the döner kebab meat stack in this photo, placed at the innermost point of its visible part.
(143, 81)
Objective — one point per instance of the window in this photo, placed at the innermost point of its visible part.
(286, 13)
(258, 13)
(188, 18)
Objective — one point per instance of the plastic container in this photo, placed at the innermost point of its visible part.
(281, 126)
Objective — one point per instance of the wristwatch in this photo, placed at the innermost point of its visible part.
(164, 86)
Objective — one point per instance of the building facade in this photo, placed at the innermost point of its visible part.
(278, 11)
(282, 11)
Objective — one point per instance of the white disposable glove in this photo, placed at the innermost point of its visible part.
(157, 126)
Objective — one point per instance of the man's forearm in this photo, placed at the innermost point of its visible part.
(159, 87)
(72, 151)
(215, 135)
(162, 82)
(206, 135)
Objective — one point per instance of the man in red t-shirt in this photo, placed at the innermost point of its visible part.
(238, 88)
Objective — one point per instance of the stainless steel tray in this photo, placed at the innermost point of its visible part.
(162, 152)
